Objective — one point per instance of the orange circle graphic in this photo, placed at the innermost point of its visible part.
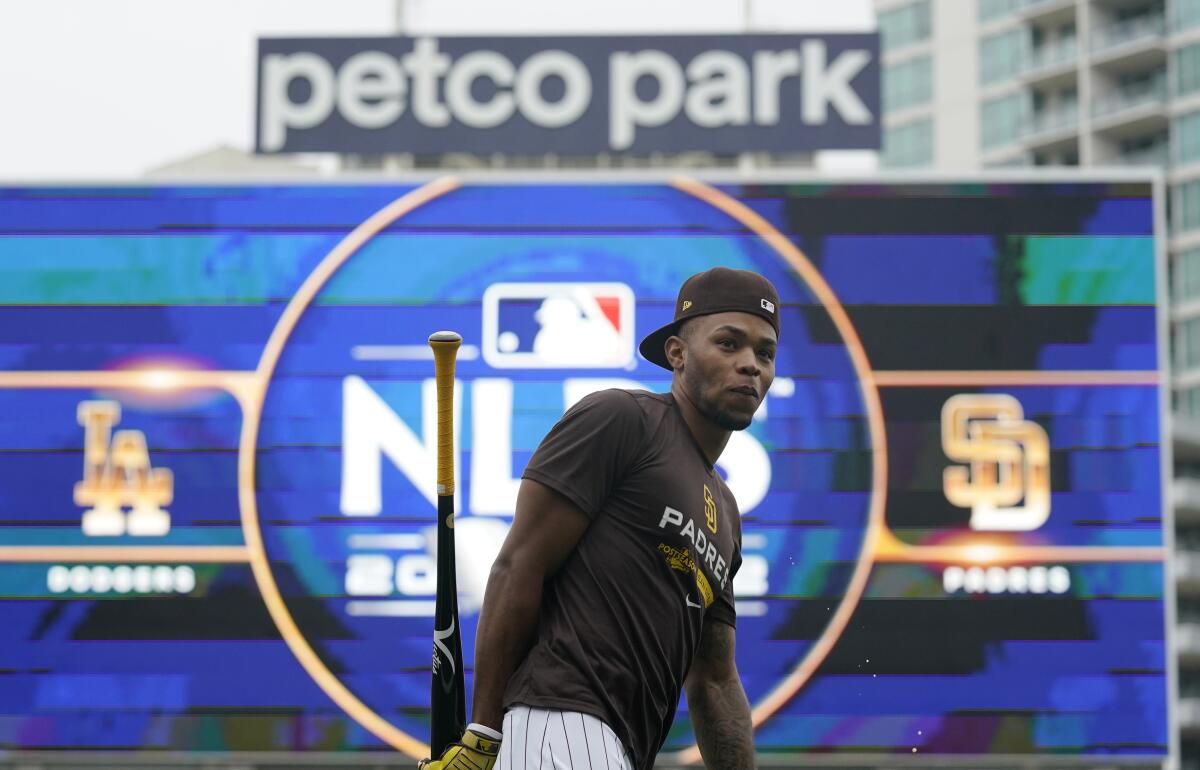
(252, 406)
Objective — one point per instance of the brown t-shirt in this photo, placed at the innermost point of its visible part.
(621, 619)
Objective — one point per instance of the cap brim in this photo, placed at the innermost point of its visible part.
(653, 347)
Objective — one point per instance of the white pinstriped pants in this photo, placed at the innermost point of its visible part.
(548, 739)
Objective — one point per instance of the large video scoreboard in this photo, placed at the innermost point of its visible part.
(217, 450)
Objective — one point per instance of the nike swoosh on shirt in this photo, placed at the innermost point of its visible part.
(691, 603)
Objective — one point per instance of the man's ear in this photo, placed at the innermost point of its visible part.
(675, 349)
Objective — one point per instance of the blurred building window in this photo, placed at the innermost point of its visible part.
(1185, 278)
(1187, 69)
(1187, 539)
(1002, 119)
(1186, 130)
(1186, 14)
(1002, 56)
(908, 84)
(1187, 348)
(905, 25)
(1144, 149)
(1187, 206)
(1187, 402)
(991, 9)
(908, 145)
(1189, 682)
(1189, 609)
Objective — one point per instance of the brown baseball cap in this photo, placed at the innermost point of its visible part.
(719, 290)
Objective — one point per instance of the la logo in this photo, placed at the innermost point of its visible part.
(117, 475)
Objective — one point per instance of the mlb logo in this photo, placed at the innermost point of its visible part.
(558, 325)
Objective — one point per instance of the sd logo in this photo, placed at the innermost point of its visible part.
(1008, 462)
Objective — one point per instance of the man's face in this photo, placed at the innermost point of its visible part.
(728, 366)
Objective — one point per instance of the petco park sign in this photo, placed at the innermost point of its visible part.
(572, 95)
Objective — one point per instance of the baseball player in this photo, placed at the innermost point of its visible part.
(614, 588)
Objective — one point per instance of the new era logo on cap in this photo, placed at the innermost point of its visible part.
(768, 305)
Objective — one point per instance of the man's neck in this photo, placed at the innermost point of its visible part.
(710, 437)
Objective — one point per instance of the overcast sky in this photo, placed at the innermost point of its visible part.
(106, 89)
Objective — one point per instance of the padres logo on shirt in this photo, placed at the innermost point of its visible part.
(710, 510)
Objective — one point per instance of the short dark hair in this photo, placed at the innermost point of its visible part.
(687, 329)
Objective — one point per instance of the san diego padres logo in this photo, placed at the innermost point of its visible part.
(1008, 462)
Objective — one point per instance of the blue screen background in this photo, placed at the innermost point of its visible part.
(970, 278)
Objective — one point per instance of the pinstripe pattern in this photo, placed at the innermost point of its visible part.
(547, 739)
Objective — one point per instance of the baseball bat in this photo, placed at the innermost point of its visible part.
(447, 702)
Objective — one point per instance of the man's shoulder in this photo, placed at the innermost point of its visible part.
(725, 490)
(627, 400)
(730, 500)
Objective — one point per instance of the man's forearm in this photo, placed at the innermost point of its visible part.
(721, 717)
(506, 627)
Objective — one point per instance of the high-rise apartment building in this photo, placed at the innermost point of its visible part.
(971, 84)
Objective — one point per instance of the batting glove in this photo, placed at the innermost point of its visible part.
(473, 752)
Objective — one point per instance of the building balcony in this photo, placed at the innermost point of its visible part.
(1057, 61)
(1187, 572)
(1185, 442)
(1131, 98)
(1185, 241)
(1187, 642)
(1046, 10)
(1050, 128)
(1158, 155)
(1189, 714)
(1186, 494)
(1129, 35)
(1007, 155)
(1133, 109)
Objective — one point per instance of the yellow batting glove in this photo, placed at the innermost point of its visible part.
(473, 752)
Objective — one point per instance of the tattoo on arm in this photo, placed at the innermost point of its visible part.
(717, 702)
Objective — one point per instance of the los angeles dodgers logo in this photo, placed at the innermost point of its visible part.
(117, 475)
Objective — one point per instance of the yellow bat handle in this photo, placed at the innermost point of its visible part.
(445, 350)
